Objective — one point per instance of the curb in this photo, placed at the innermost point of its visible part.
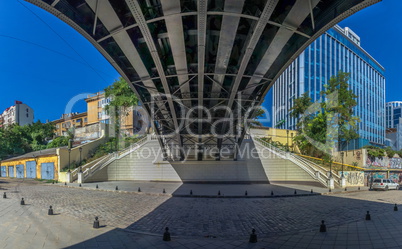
(211, 196)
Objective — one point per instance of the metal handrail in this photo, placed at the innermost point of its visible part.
(314, 170)
(112, 157)
(74, 173)
(90, 171)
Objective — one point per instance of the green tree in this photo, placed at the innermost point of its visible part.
(335, 114)
(58, 142)
(346, 101)
(299, 109)
(123, 99)
(257, 113)
(17, 140)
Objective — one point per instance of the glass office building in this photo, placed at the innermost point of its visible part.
(393, 113)
(336, 50)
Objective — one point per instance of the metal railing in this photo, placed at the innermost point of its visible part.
(74, 173)
(315, 171)
(91, 168)
(112, 157)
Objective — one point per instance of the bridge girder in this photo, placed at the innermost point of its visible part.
(207, 63)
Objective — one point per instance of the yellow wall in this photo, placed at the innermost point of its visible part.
(351, 156)
(62, 177)
(39, 161)
(277, 135)
(75, 152)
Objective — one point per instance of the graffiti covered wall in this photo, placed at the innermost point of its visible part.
(396, 177)
(385, 162)
(353, 178)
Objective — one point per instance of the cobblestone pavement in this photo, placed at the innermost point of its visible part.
(206, 222)
(180, 189)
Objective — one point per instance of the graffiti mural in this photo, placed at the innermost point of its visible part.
(353, 178)
(396, 177)
(385, 162)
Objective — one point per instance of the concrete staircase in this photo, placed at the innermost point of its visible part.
(143, 163)
(283, 166)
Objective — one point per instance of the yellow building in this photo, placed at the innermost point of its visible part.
(97, 113)
(39, 164)
(70, 120)
(95, 108)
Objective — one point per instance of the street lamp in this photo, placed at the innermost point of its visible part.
(342, 153)
(69, 163)
(293, 148)
(80, 149)
(287, 139)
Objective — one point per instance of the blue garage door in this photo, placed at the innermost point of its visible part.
(10, 171)
(20, 170)
(3, 171)
(47, 170)
(31, 169)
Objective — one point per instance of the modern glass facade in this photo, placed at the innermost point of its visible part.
(393, 113)
(336, 50)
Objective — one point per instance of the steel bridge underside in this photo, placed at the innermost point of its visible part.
(201, 67)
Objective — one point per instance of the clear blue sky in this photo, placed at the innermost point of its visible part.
(44, 63)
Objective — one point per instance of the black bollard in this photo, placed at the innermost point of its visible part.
(4, 195)
(52, 182)
(65, 184)
(323, 227)
(97, 186)
(368, 216)
(395, 207)
(346, 189)
(117, 188)
(50, 212)
(253, 237)
(80, 185)
(219, 192)
(295, 192)
(22, 201)
(272, 192)
(139, 189)
(96, 222)
(191, 192)
(329, 190)
(246, 193)
(311, 191)
(166, 235)
(164, 191)
(359, 188)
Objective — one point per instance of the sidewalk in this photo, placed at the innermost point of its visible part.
(139, 220)
(178, 189)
